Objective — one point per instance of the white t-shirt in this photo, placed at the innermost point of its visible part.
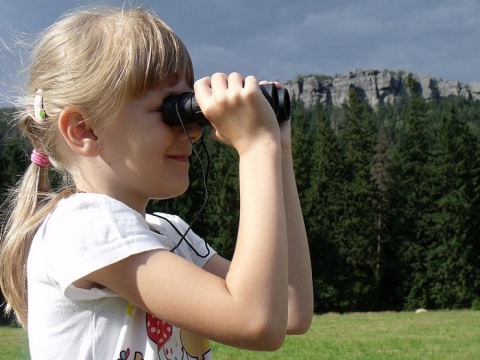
(84, 233)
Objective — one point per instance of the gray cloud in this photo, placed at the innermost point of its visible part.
(282, 39)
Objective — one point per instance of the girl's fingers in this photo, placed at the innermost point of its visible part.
(219, 81)
(235, 81)
(203, 86)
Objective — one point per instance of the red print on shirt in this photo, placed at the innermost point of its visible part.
(158, 330)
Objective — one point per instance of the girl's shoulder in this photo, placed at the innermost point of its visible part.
(88, 212)
(82, 200)
(93, 205)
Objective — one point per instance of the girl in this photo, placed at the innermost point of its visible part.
(85, 270)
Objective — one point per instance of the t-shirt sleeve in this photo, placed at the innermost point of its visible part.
(199, 251)
(92, 232)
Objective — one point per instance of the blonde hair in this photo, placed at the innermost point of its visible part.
(97, 59)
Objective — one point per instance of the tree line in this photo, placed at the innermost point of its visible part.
(391, 199)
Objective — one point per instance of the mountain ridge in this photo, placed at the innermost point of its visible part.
(375, 86)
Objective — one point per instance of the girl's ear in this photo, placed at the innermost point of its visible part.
(77, 131)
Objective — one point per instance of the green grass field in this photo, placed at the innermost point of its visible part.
(435, 335)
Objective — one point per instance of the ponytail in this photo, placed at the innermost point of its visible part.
(28, 204)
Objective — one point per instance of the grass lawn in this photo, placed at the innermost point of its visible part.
(438, 335)
(435, 335)
(13, 343)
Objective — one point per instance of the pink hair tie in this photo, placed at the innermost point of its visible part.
(39, 159)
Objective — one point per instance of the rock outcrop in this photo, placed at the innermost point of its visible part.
(377, 87)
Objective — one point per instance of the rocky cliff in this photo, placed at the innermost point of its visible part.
(377, 87)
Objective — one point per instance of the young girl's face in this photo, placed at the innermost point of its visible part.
(148, 158)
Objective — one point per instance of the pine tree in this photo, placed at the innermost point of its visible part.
(411, 201)
(453, 262)
(222, 214)
(322, 209)
(302, 144)
(356, 237)
(382, 181)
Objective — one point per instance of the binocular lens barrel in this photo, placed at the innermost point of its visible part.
(184, 108)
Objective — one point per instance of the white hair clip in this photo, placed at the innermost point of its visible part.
(38, 109)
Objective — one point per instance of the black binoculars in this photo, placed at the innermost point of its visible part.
(184, 108)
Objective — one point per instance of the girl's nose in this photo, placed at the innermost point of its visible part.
(194, 131)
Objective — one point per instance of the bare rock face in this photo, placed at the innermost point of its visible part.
(473, 90)
(376, 87)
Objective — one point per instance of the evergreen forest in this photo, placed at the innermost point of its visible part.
(390, 197)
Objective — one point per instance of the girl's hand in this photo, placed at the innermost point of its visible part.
(285, 126)
(240, 115)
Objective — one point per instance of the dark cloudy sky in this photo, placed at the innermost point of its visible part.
(280, 39)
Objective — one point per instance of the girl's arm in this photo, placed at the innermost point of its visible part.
(249, 308)
(300, 286)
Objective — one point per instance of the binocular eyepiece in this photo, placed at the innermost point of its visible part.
(184, 108)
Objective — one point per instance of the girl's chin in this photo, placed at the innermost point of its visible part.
(175, 193)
